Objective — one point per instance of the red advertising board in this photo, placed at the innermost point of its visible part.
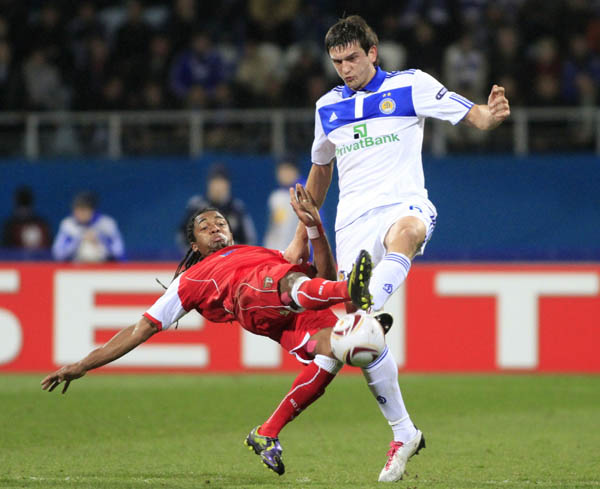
(447, 318)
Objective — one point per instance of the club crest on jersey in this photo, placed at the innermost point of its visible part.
(387, 105)
(267, 283)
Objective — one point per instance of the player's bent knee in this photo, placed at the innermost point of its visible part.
(406, 236)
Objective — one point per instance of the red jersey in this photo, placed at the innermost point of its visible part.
(236, 283)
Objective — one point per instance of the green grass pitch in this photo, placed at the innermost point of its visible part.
(186, 431)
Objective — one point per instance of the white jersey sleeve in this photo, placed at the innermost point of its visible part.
(432, 99)
(168, 308)
(323, 150)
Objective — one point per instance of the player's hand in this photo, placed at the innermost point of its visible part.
(304, 206)
(498, 104)
(65, 374)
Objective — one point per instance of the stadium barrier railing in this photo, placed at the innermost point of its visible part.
(275, 131)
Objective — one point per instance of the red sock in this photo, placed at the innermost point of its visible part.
(319, 293)
(306, 389)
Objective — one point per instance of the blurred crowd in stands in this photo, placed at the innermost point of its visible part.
(149, 55)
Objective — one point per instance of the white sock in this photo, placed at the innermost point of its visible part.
(382, 378)
(387, 277)
(328, 364)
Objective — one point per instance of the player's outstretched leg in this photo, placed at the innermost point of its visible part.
(398, 456)
(269, 449)
(358, 282)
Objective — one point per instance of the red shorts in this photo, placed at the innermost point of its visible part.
(259, 309)
(307, 323)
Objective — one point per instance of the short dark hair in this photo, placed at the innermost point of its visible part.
(86, 199)
(349, 30)
(24, 196)
(218, 170)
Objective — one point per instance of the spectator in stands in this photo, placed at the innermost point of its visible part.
(218, 195)
(49, 32)
(91, 76)
(9, 80)
(24, 229)
(507, 63)
(305, 68)
(424, 48)
(133, 36)
(199, 67)
(259, 73)
(282, 218)
(87, 235)
(84, 26)
(465, 68)
(159, 60)
(580, 82)
(114, 95)
(545, 70)
(131, 47)
(74, 69)
(43, 83)
(580, 73)
(272, 20)
(181, 23)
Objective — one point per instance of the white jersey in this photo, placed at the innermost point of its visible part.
(376, 135)
(282, 220)
(70, 244)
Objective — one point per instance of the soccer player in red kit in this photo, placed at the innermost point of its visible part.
(266, 294)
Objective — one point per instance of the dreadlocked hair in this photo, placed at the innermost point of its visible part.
(192, 257)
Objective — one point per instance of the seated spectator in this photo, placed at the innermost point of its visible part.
(282, 218)
(259, 73)
(25, 229)
(218, 195)
(465, 68)
(199, 66)
(82, 27)
(181, 23)
(87, 235)
(131, 45)
(10, 83)
(44, 86)
(92, 74)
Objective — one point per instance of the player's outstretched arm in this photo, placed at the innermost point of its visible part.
(317, 185)
(308, 213)
(120, 344)
(491, 115)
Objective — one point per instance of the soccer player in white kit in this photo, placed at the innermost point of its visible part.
(373, 127)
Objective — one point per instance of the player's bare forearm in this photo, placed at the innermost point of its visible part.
(123, 342)
(479, 117)
(318, 182)
(490, 116)
(307, 211)
(323, 258)
(120, 344)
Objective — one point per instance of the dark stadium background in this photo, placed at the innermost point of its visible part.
(497, 198)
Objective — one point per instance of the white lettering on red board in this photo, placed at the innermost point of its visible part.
(517, 295)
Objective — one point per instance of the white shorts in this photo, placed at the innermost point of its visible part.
(369, 230)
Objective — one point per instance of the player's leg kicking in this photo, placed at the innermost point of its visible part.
(310, 384)
(392, 246)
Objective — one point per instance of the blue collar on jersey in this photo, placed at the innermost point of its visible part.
(372, 86)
